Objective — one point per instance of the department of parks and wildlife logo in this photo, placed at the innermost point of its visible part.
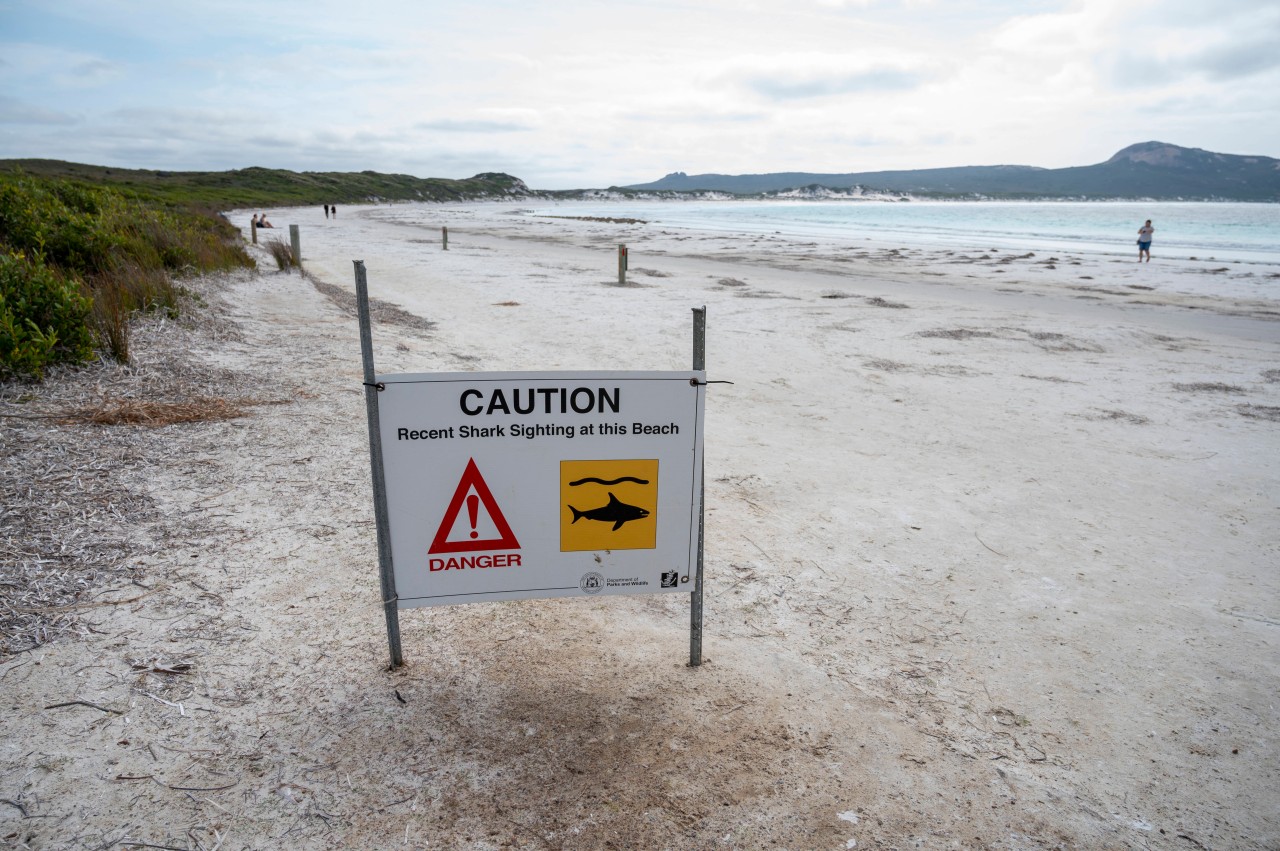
(592, 583)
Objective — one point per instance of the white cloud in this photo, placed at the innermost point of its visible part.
(787, 76)
(563, 92)
(15, 111)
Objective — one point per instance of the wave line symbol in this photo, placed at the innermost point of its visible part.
(607, 482)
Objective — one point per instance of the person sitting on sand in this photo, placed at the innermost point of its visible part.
(263, 223)
(1144, 241)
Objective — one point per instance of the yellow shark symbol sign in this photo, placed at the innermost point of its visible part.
(608, 505)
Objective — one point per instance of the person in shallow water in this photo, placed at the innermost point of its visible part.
(1144, 241)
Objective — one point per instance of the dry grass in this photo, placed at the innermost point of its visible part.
(154, 413)
(281, 253)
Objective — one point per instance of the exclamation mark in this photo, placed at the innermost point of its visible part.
(473, 510)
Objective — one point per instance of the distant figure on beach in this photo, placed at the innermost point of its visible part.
(254, 221)
(1144, 241)
(334, 208)
(326, 211)
(263, 223)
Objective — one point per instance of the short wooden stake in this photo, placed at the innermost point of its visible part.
(622, 264)
(295, 241)
(444, 232)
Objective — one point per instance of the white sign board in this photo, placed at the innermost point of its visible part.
(517, 485)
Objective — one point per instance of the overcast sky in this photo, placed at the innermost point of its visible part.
(575, 93)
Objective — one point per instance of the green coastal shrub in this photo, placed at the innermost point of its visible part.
(73, 238)
(44, 318)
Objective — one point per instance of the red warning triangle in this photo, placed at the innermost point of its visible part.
(471, 478)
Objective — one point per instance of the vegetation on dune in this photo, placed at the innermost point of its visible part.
(77, 260)
(265, 187)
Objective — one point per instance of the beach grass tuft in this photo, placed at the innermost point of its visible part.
(281, 253)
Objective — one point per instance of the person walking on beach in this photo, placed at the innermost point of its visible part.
(326, 211)
(1144, 241)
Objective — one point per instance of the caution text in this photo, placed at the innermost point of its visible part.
(547, 400)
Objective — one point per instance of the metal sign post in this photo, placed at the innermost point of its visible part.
(385, 572)
(695, 603)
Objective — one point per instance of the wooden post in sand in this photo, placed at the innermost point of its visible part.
(253, 231)
(444, 234)
(295, 241)
(622, 264)
(695, 601)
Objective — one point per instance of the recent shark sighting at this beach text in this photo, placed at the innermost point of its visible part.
(530, 432)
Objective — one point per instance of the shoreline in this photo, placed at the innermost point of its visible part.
(920, 230)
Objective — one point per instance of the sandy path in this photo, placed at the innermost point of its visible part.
(990, 559)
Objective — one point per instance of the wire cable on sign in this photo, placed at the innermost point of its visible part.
(693, 382)
(376, 385)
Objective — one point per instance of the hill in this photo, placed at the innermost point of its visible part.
(251, 187)
(1155, 170)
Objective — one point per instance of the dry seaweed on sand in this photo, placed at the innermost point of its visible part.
(1208, 387)
(956, 334)
(1121, 416)
(380, 312)
(1269, 413)
(877, 301)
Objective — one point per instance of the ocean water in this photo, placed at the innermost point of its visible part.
(1248, 233)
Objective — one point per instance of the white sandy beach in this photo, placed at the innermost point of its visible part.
(991, 548)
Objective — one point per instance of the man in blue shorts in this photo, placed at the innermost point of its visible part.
(1144, 241)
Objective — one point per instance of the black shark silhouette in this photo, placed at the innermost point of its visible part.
(616, 512)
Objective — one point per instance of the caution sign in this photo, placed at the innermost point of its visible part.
(608, 505)
(525, 485)
(473, 530)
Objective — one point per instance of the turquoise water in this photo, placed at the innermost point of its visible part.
(1245, 232)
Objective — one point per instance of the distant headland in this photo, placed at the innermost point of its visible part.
(1148, 170)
